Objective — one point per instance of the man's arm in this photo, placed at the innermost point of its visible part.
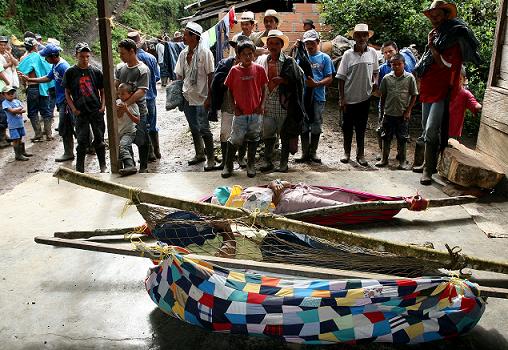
(137, 95)
(342, 98)
(326, 81)
(17, 110)
(407, 112)
(26, 78)
(209, 82)
(4, 78)
(103, 101)
(70, 103)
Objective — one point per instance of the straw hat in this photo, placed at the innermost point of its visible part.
(272, 13)
(448, 7)
(275, 33)
(247, 16)
(195, 28)
(361, 27)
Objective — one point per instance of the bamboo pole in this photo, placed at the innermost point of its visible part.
(265, 267)
(96, 233)
(448, 260)
(378, 205)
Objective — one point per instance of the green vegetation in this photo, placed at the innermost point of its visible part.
(404, 22)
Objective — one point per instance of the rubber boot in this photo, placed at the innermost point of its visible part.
(36, 125)
(348, 139)
(48, 129)
(129, 167)
(80, 162)
(210, 154)
(151, 155)
(284, 157)
(419, 156)
(223, 150)
(143, 158)
(154, 138)
(228, 163)
(23, 150)
(199, 149)
(305, 149)
(241, 155)
(402, 149)
(101, 157)
(314, 143)
(385, 154)
(18, 154)
(68, 144)
(251, 159)
(3, 138)
(360, 155)
(380, 144)
(430, 157)
(268, 156)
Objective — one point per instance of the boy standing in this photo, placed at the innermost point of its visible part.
(84, 92)
(127, 129)
(14, 111)
(398, 96)
(247, 83)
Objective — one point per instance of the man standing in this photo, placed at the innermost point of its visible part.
(84, 92)
(159, 48)
(9, 62)
(66, 121)
(195, 66)
(37, 94)
(357, 74)
(322, 71)
(247, 23)
(271, 21)
(5, 80)
(151, 94)
(285, 83)
(450, 42)
(135, 73)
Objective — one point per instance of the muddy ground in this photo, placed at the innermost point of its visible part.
(177, 148)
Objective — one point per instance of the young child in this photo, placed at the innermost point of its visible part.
(398, 96)
(14, 111)
(246, 83)
(458, 105)
(128, 117)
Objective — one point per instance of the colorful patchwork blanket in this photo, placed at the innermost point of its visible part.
(313, 311)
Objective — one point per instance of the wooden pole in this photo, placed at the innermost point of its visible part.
(332, 234)
(109, 85)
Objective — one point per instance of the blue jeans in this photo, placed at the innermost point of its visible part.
(152, 115)
(315, 127)
(432, 117)
(36, 103)
(246, 127)
(52, 99)
(198, 120)
(125, 145)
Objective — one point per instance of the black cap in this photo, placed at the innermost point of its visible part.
(80, 47)
(309, 22)
(239, 38)
(28, 35)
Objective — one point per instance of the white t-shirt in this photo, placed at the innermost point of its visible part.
(125, 124)
(195, 94)
(10, 72)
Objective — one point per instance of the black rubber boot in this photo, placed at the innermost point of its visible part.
(360, 155)
(429, 164)
(305, 148)
(154, 138)
(3, 138)
(101, 157)
(143, 158)
(129, 168)
(223, 150)
(80, 162)
(241, 156)
(284, 157)
(251, 159)
(48, 129)
(379, 138)
(68, 144)
(348, 139)
(402, 148)
(36, 125)
(268, 156)
(385, 154)
(314, 143)
(210, 154)
(419, 157)
(151, 155)
(199, 149)
(23, 150)
(18, 154)
(228, 165)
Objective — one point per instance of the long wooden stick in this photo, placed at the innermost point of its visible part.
(277, 268)
(378, 205)
(332, 234)
(96, 233)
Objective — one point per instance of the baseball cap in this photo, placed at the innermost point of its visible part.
(8, 88)
(50, 50)
(80, 47)
(38, 36)
(310, 35)
(30, 42)
(4, 39)
(309, 22)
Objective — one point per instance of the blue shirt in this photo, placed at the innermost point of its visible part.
(14, 121)
(155, 76)
(322, 67)
(57, 73)
(36, 63)
(409, 66)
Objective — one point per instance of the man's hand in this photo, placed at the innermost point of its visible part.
(342, 105)
(407, 115)
(431, 37)
(102, 109)
(310, 82)
(22, 76)
(76, 111)
(238, 111)
(121, 108)
(207, 103)
(259, 110)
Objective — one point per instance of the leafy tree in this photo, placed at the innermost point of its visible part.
(404, 22)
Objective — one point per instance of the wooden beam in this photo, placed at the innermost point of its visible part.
(109, 84)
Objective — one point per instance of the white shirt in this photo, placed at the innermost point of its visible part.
(10, 73)
(160, 52)
(195, 94)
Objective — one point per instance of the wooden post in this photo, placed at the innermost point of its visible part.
(109, 85)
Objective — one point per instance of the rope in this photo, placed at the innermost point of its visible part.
(108, 19)
(458, 262)
(132, 200)
(417, 203)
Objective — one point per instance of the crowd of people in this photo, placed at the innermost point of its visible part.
(261, 93)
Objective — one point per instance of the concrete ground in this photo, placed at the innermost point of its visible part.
(60, 298)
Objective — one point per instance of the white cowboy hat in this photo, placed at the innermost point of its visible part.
(272, 13)
(275, 33)
(446, 6)
(247, 16)
(361, 27)
(194, 28)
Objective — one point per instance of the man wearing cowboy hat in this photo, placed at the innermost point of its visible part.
(195, 67)
(357, 74)
(450, 43)
(285, 80)
(271, 21)
(247, 23)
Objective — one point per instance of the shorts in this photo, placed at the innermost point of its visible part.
(395, 126)
(16, 133)
(246, 128)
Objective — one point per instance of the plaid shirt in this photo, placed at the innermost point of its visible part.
(273, 107)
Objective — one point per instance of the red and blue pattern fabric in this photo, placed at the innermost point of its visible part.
(313, 311)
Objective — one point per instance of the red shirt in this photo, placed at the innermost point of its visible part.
(246, 85)
(463, 100)
(436, 81)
